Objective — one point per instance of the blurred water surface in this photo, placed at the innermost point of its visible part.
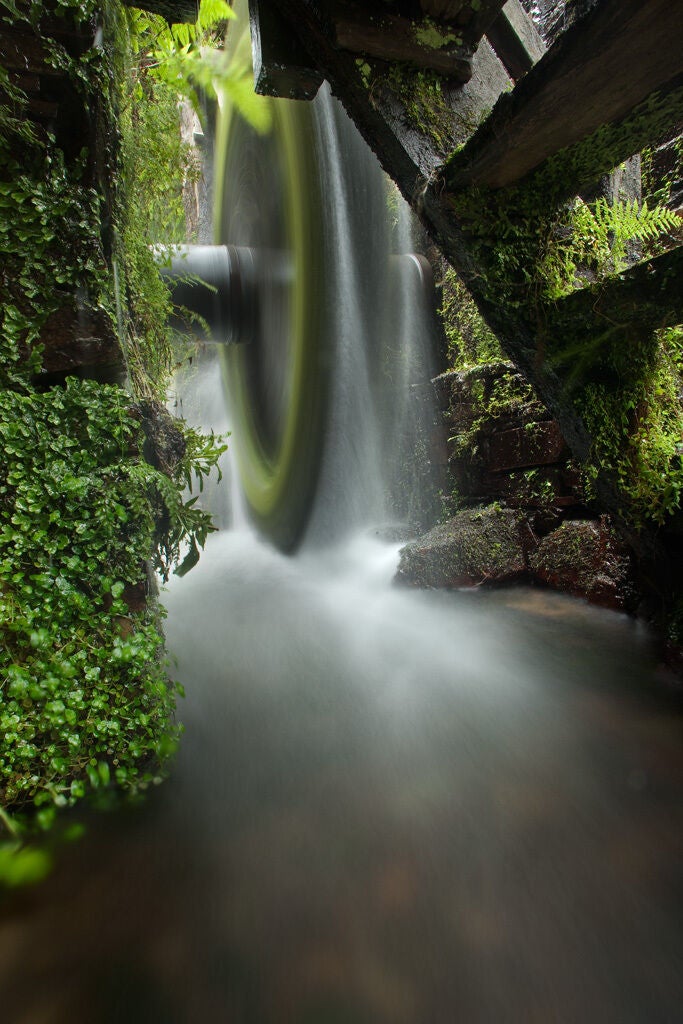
(389, 806)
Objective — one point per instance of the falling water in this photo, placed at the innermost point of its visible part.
(390, 807)
(382, 337)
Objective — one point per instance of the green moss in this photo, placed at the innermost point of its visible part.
(435, 37)
(469, 340)
(421, 95)
(85, 703)
(636, 420)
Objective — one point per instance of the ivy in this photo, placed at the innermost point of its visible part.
(86, 706)
(84, 701)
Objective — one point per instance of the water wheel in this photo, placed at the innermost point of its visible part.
(269, 202)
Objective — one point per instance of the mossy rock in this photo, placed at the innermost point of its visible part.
(483, 545)
(586, 558)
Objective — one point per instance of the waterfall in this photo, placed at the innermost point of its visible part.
(385, 343)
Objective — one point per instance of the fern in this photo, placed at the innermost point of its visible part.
(612, 226)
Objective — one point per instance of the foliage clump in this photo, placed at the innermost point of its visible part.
(85, 698)
(469, 341)
(635, 418)
(85, 519)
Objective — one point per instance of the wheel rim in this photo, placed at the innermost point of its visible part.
(269, 198)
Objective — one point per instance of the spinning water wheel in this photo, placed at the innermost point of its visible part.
(269, 203)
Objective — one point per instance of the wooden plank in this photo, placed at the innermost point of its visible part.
(281, 66)
(174, 11)
(24, 54)
(444, 10)
(516, 39)
(481, 18)
(601, 68)
(579, 167)
(394, 38)
(623, 309)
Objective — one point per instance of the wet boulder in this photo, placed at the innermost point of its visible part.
(482, 545)
(586, 558)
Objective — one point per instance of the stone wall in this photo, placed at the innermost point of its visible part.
(516, 511)
(501, 444)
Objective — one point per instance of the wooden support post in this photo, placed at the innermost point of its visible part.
(393, 38)
(281, 66)
(601, 68)
(174, 11)
(630, 305)
(516, 39)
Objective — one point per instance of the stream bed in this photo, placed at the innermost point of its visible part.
(390, 807)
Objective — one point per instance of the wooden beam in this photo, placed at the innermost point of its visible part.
(516, 39)
(577, 168)
(444, 10)
(623, 308)
(174, 11)
(602, 67)
(281, 65)
(25, 54)
(393, 38)
(481, 18)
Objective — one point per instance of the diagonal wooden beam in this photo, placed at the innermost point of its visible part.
(647, 297)
(516, 39)
(603, 66)
(392, 37)
(522, 326)
(482, 18)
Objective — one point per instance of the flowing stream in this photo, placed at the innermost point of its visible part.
(390, 806)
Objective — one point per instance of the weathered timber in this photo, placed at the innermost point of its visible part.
(516, 39)
(24, 54)
(521, 327)
(622, 309)
(281, 66)
(482, 18)
(444, 10)
(573, 170)
(430, 133)
(621, 53)
(174, 11)
(393, 38)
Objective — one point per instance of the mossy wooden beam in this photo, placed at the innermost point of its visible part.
(606, 64)
(281, 66)
(390, 37)
(516, 39)
(174, 11)
(624, 308)
(569, 172)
